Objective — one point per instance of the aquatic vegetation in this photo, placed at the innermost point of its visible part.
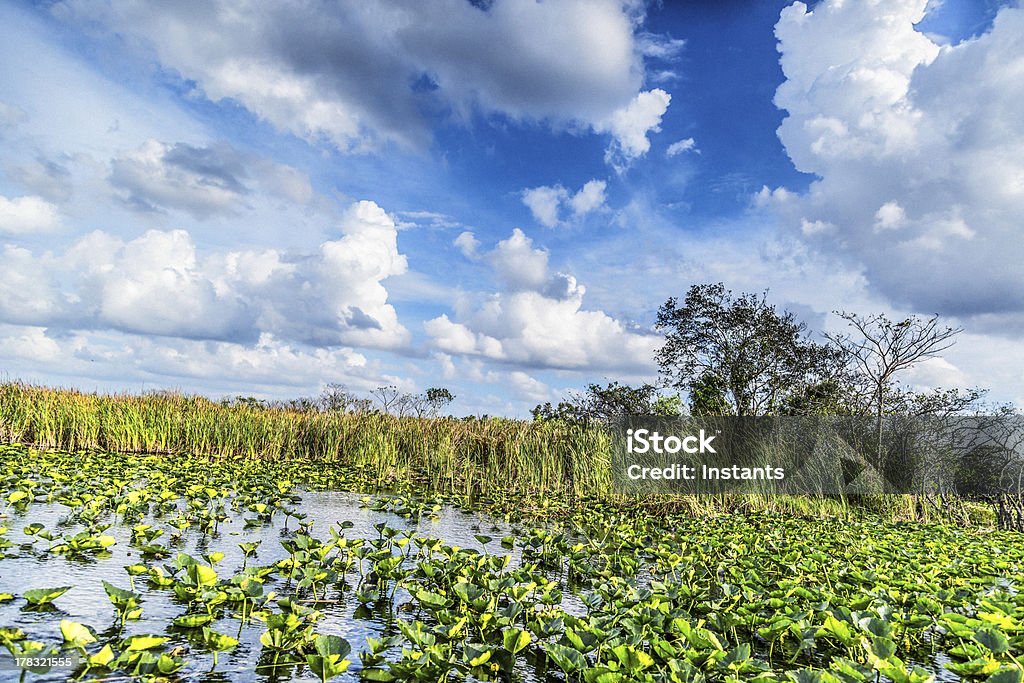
(126, 603)
(218, 642)
(76, 635)
(330, 658)
(38, 597)
(599, 596)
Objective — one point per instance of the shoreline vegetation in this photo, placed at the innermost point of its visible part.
(533, 467)
(587, 587)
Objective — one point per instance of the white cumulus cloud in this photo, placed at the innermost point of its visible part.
(590, 197)
(544, 203)
(517, 265)
(631, 125)
(28, 214)
(160, 283)
(468, 244)
(537, 319)
(547, 203)
(919, 152)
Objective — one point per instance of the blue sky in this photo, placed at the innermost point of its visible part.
(494, 198)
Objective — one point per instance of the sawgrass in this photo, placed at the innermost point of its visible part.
(538, 464)
(474, 456)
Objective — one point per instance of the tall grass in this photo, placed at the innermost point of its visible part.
(513, 460)
(475, 457)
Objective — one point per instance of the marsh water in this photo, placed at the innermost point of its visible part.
(30, 566)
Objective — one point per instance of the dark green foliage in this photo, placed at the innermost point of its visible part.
(604, 404)
(737, 354)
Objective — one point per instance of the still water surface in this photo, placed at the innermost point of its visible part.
(87, 602)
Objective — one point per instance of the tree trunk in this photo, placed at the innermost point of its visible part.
(878, 432)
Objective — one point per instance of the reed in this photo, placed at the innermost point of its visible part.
(472, 457)
(519, 461)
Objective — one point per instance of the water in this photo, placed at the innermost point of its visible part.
(87, 603)
(30, 567)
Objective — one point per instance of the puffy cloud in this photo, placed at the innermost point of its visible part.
(29, 344)
(160, 284)
(349, 286)
(519, 267)
(457, 338)
(360, 74)
(28, 291)
(530, 329)
(333, 297)
(468, 244)
(201, 181)
(919, 152)
(631, 124)
(29, 214)
(528, 388)
(890, 216)
(591, 197)
(448, 369)
(154, 285)
(537, 320)
(546, 202)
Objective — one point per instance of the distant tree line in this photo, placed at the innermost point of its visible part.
(739, 355)
(337, 397)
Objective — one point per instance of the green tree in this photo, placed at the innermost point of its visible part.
(707, 396)
(737, 354)
(604, 404)
(437, 399)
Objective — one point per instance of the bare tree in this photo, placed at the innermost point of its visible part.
(337, 397)
(404, 404)
(881, 348)
(389, 397)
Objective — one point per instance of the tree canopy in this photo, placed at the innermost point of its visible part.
(738, 354)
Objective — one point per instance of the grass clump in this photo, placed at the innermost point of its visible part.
(476, 457)
(534, 467)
